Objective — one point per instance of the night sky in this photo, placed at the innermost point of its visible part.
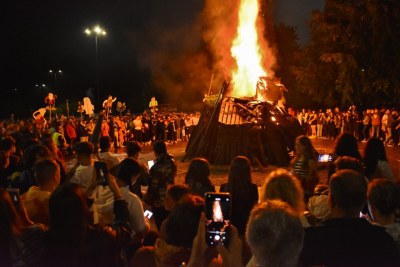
(142, 54)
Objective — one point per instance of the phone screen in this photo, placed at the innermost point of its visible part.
(148, 214)
(14, 194)
(324, 158)
(101, 172)
(218, 215)
(150, 163)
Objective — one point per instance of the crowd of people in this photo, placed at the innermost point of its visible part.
(381, 123)
(93, 215)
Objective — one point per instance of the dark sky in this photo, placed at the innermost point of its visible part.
(146, 43)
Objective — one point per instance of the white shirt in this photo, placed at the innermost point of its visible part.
(109, 158)
(103, 208)
(83, 176)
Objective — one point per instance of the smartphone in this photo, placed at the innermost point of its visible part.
(150, 163)
(218, 218)
(14, 194)
(148, 214)
(324, 158)
(101, 172)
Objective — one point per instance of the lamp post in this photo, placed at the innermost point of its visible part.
(55, 73)
(96, 31)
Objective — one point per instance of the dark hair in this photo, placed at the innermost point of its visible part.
(348, 189)
(346, 162)
(239, 178)
(128, 168)
(83, 148)
(7, 143)
(33, 153)
(160, 148)
(45, 170)
(182, 223)
(105, 143)
(373, 152)
(346, 145)
(177, 191)
(198, 171)
(132, 147)
(384, 195)
(69, 216)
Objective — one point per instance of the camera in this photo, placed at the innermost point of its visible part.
(218, 216)
(101, 172)
(147, 214)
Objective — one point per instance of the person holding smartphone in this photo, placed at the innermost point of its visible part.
(162, 175)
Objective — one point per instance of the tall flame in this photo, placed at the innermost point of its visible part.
(246, 51)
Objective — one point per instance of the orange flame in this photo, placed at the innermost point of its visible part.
(246, 51)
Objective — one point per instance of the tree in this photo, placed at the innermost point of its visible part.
(353, 55)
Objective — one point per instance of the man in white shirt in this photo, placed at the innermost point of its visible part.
(83, 171)
(105, 154)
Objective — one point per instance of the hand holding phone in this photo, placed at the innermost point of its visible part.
(218, 215)
(101, 172)
(324, 158)
(147, 214)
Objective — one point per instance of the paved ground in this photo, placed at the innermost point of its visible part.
(219, 173)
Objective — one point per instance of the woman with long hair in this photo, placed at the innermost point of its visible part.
(197, 177)
(304, 164)
(243, 192)
(375, 160)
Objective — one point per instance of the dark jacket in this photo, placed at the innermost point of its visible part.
(162, 174)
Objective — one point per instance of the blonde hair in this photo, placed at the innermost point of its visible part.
(282, 184)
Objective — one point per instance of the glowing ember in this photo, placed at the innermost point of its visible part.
(246, 50)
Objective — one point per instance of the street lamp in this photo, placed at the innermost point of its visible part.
(55, 73)
(96, 31)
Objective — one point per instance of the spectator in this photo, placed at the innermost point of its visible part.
(73, 241)
(275, 234)
(26, 178)
(105, 154)
(20, 239)
(36, 200)
(281, 184)
(383, 202)
(162, 175)
(83, 171)
(197, 177)
(133, 150)
(304, 165)
(244, 193)
(181, 228)
(375, 160)
(345, 239)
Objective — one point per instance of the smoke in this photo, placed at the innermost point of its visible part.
(182, 56)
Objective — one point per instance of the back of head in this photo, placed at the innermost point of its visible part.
(105, 143)
(239, 174)
(275, 234)
(132, 148)
(33, 153)
(128, 168)
(69, 215)
(46, 172)
(281, 184)
(346, 162)
(198, 171)
(177, 191)
(160, 148)
(346, 145)
(348, 191)
(182, 223)
(374, 150)
(384, 195)
(7, 143)
(83, 148)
